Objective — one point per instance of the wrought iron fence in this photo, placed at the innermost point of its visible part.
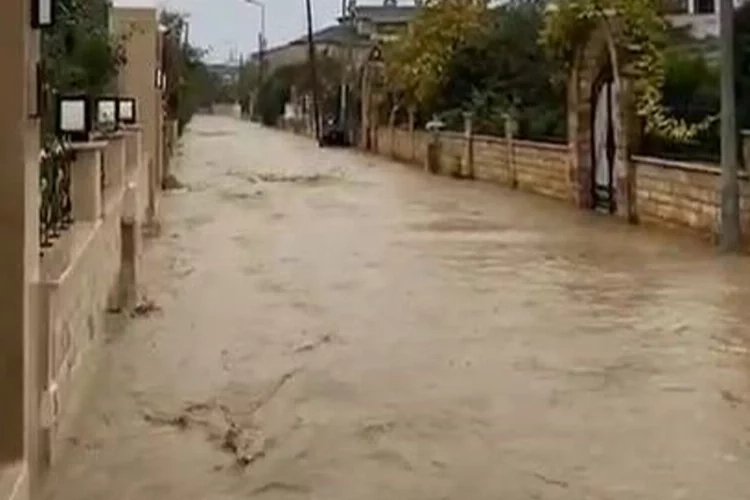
(55, 204)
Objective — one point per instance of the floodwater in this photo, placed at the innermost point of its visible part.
(334, 326)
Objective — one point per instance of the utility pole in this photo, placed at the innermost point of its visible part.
(348, 69)
(261, 45)
(730, 205)
(313, 70)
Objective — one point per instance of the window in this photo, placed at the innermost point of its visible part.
(705, 6)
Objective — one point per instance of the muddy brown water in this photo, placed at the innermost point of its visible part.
(354, 329)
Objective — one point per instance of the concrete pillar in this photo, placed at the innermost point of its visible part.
(86, 182)
(133, 147)
(114, 162)
(19, 234)
(130, 250)
(432, 158)
(625, 180)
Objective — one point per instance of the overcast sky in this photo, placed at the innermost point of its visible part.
(233, 25)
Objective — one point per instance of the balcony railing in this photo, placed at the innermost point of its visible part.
(55, 205)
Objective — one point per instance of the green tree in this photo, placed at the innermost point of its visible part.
(190, 83)
(79, 54)
(416, 64)
(742, 36)
(276, 89)
(516, 76)
(637, 30)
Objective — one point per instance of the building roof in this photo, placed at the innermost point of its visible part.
(338, 34)
(386, 14)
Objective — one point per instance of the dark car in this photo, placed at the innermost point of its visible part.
(333, 133)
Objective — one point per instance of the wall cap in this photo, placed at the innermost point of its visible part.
(701, 168)
(563, 148)
(88, 146)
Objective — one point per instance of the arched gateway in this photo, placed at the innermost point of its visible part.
(601, 126)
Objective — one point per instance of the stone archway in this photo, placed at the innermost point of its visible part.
(597, 69)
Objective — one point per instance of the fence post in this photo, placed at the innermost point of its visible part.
(412, 139)
(432, 159)
(130, 250)
(510, 131)
(467, 165)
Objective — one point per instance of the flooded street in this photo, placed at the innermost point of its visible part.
(335, 326)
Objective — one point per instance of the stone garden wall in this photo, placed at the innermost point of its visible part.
(667, 193)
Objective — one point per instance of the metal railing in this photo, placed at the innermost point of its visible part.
(55, 204)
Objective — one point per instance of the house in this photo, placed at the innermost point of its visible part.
(701, 16)
(357, 31)
(380, 23)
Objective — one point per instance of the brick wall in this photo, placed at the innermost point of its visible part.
(684, 195)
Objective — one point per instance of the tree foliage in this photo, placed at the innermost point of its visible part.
(637, 29)
(79, 55)
(691, 92)
(190, 84)
(742, 37)
(417, 63)
(276, 90)
(514, 77)
(79, 52)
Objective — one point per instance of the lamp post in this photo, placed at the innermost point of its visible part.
(729, 240)
(313, 70)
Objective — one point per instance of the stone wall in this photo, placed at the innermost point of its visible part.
(542, 168)
(535, 167)
(684, 195)
(667, 193)
(491, 161)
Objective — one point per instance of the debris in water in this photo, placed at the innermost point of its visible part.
(552, 481)
(314, 344)
(731, 397)
(246, 443)
(145, 308)
(280, 486)
(275, 177)
(171, 183)
(181, 421)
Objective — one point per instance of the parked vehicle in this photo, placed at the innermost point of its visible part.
(332, 134)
